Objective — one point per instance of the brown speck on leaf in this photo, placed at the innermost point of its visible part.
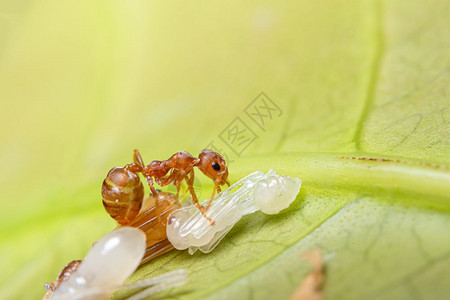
(371, 159)
(379, 159)
(311, 286)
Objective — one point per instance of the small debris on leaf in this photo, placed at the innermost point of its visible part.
(311, 286)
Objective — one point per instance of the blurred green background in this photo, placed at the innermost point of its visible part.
(83, 83)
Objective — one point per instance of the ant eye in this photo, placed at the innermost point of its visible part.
(215, 166)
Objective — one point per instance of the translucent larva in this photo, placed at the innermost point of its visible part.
(123, 199)
(270, 193)
(155, 228)
(275, 193)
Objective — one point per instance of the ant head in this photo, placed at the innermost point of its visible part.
(214, 166)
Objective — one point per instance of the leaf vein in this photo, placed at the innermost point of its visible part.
(375, 74)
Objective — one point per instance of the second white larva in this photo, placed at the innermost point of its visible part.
(109, 263)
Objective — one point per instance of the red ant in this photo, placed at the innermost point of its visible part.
(181, 165)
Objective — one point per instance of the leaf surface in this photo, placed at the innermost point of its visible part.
(362, 89)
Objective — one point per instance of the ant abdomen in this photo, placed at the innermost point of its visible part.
(122, 193)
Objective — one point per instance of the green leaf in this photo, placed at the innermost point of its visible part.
(363, 87)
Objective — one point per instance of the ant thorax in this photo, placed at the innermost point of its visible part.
(181, 160)
(157, 169)
(270, 193)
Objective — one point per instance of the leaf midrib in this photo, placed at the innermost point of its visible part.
(427, 184)
(342, 170)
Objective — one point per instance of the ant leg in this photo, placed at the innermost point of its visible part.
(190, 180)
(178, 190)
(178, 179)
(169, 179)
(175, 177)
(138, 165)
(150, 185)
(134, 167)
(137, 158)
(155, 194)
(216, 187)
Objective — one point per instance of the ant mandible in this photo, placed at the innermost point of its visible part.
(181, 167)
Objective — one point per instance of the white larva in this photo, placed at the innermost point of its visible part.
(275, 193)
(109, 263)
(270, 193)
